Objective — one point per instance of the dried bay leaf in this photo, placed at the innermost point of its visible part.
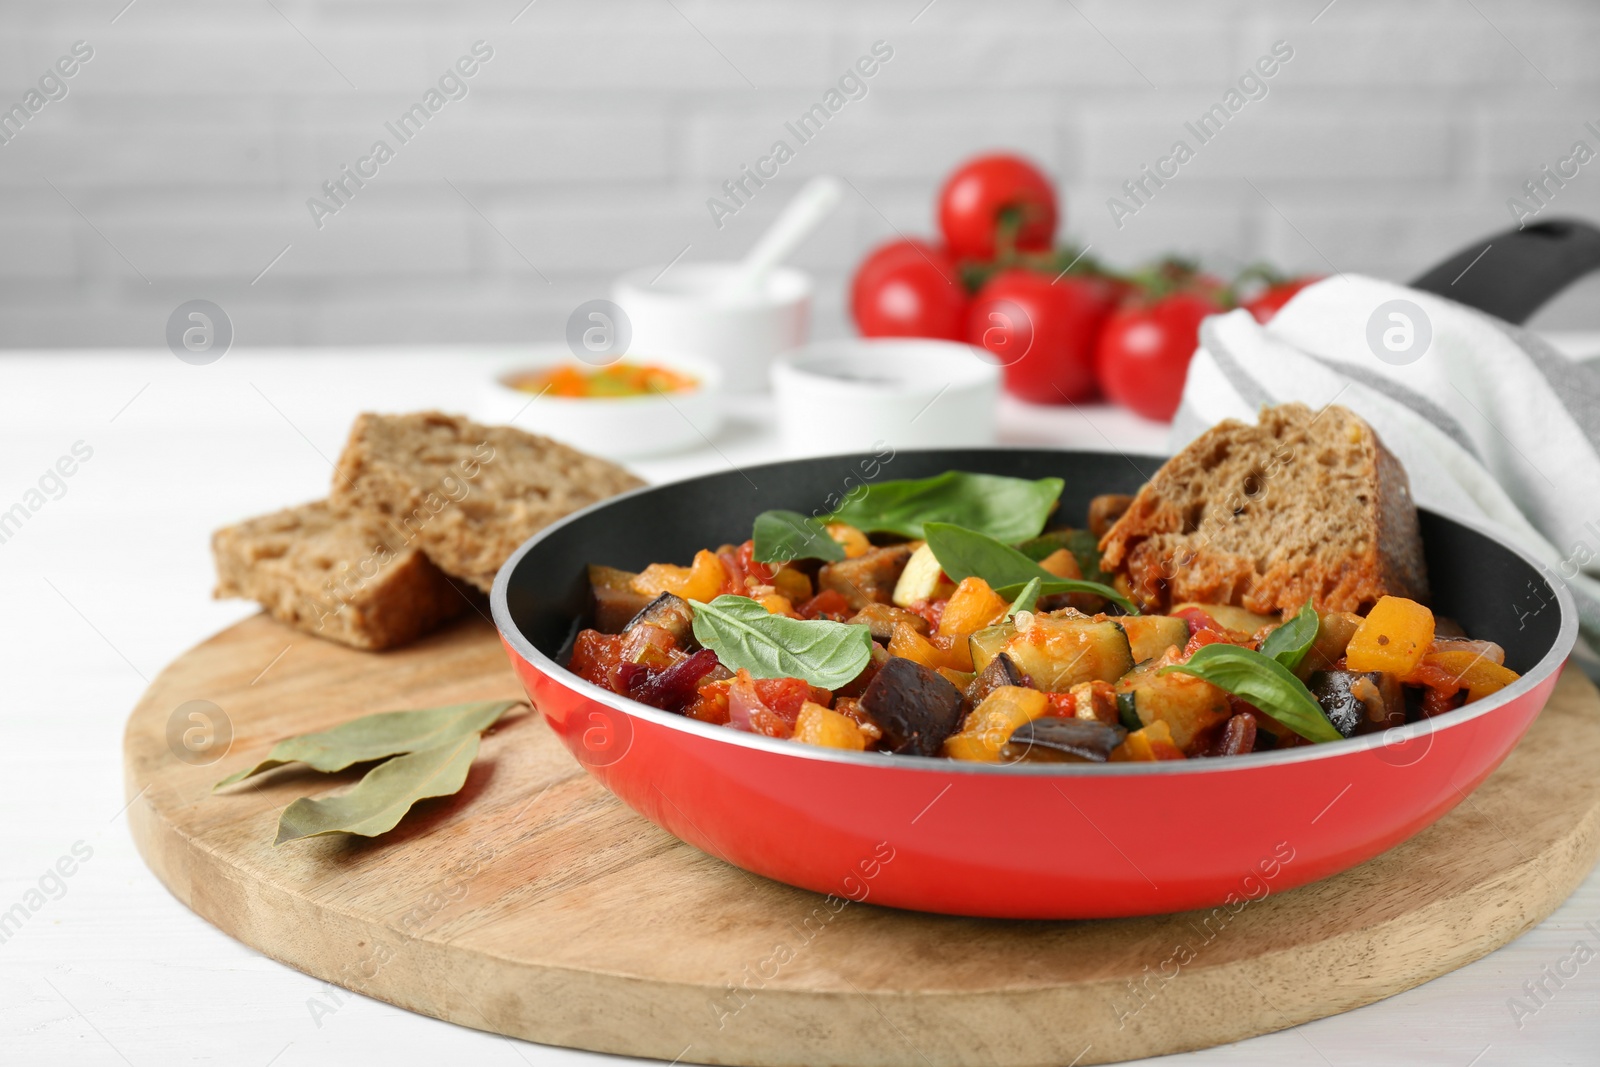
(387, 733)
(380, 800)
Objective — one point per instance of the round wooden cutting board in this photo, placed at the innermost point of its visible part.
(534, 904)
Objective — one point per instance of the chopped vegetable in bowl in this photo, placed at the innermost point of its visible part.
(938, 617)
(598, 383)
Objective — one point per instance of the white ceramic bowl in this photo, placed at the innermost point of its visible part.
(615, 427)
(680, 313)
(867, 394)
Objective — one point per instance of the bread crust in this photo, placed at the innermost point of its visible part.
(469, 494)
(1299, 506)
(345, 576)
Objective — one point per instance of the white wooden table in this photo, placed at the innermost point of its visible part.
(110, 578)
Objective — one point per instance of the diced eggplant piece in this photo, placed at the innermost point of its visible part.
(1000, 671)
(1053, 739)
(869, 578)
(673, 614)
(1358, 701)
(1105, 510)
(1188, 705)
(881, 619)
(616, 602)
(1151, 635)
(914, 707)
(986, 644)
(1059, 651)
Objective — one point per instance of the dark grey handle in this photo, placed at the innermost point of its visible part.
(1521, 270)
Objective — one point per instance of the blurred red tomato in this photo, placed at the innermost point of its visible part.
(1273, 297)
(988, 191)
(1144, 351)
(1043, 333)
(909, 289)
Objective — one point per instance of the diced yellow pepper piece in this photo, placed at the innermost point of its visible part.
(1062, 564)
(702, 581)
(959, 679)
(852, 540)
(1478, 675)
(776, 604)
(991, 723)
(1393, 637)
(1153, 742)
(971, 607)
(817, 725)
(908, 644)
(796, 585)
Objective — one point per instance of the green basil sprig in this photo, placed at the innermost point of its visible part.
(1027, 598)
(784, 535)
(964, 553)
(1265, 683)
(745, 636)
(1008, 509)
(1289, 643)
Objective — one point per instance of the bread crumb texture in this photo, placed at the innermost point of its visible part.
(467, 494)
(347, 576)
(1300, 506)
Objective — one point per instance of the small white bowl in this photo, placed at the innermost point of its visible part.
(614, 427)
(867, 394)
(680, 312)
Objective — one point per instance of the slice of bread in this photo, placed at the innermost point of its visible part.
(1301, 505)
(346, 576)
(468, 494)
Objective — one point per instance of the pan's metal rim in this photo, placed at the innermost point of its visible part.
(1548, 665)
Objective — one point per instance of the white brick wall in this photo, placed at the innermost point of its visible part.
(592, 139)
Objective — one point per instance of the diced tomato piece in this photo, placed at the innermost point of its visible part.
(783, 695)
(932, 610)
(748, 564)
(728, 556)
(1197, 619)
(749, 712)
(1062, 705)
(1199, 638)
(711, 705)
(829, 603)
(595, 656)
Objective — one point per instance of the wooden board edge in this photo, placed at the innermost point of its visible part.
(579, 1009)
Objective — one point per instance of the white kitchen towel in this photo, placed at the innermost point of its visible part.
(1489, 420)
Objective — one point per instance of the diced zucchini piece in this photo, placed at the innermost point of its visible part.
(1185, 703)
(987, 643)
(1058, 652)
(922, 579)
(1151, 635)
(1234, 618)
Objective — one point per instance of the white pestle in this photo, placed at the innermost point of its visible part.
(811, 205)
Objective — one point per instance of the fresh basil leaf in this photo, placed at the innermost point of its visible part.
(1265, 683)
(381, 799)
(745, 636)
(1083, 545)
(781, 536)
(388, 733)
(966, 553)
(1008, 509)
(1027, 598)
(1289, 643)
